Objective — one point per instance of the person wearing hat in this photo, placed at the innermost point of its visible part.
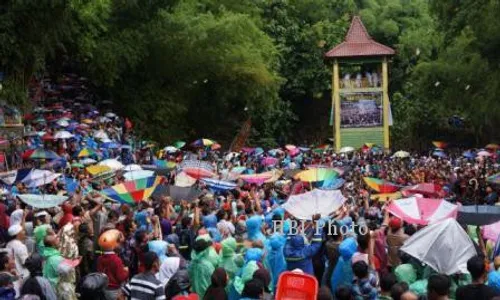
(395, 239)
(19, 253)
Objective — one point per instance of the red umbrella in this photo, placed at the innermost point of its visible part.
(47, 137)
(426, 189)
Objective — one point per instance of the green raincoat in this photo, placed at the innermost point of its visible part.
(40, 233)
(52, 260)
(229, 257)
(406, 273)
(200, 271)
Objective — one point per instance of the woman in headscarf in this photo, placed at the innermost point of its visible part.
(168, 268)
(216, 291)
(68, 245)
(36, 284)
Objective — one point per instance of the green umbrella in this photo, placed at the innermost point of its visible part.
(77, 165)
(179, 144)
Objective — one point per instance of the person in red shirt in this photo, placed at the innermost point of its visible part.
(68, 214)
(111, 264)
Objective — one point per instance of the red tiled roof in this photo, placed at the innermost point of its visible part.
(359, 43)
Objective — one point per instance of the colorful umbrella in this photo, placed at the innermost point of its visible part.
(41, 153)
(491, 231)
(86, 152)
(317, 175)
(422, 211)
(38, 178)
(77, 165)
(219, 185)
(386, 196)
(401, 154)
(197, 168)
(439, 153)
(11, 177)
(216, 146)
(203, 143)
(306, 205)
(100, 134)
(97, 170)
(290, 147)
(170, 149)
(269, 161)
(165, 164)
(430, 190)
(179, 144)
(42, 201)
(495, 179)
(134, 191)
(132, 167)
(492, 146)
(380, 185)
(260, 178)
(440, 144)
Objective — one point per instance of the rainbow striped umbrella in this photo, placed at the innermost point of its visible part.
(41, 153)
(317, 175)
(134, 191)
(439, 144)
(203, 143)
(86, 152)
(380, 185)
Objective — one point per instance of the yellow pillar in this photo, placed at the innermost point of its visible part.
(336, 103)
(385, 99)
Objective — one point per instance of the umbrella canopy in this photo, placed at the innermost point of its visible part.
(138, 174)
(275, 152)
(134, 191)
(132, 167)
(433, 246)
(179, 144)
(202, 143)
(97, 170)
(197, 168)
(165, 164)
(483, 153)
(323, 202)
(41, 153)
(88, 161)
(38, 178)
(346, 149)
(47, 137)
(290, 147)
(86, 152)
(62, 123)
(112, 163)
(439, 144)
(258, 178)
(380, 185)
(401, 154)
(430, 190)
(63, 134)
(177, 193)
(77, 165)
(492, 146)
(478, 214)
(184, 180)
(219, 185)
(334, 184)
(469, 154)
(317, 175)
(422, 211)
(495, 179)
(216, 146)
(14, 176)
(269, 161)
(42, 201)
(170, 149)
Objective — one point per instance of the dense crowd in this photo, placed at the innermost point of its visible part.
(229, 237)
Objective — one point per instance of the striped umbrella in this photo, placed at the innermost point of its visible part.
(197, 168)
(322, 177)
(219, 185)
(134, 191)
(422, 211)
(380, 185)
(202, 143)
(41, 153)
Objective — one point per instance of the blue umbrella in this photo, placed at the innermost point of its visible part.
(258, 151)
(469, 154)
(110, 145)
(439, 154)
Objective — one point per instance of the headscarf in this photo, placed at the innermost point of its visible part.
(40, 234)
(68, 214)
(168, 269)
(217, 291)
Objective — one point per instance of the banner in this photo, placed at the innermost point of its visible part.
(361, 109)
(240, 139)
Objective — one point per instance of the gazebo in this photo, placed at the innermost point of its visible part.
(360, 99)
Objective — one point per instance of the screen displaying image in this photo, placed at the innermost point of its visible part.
(361, 110)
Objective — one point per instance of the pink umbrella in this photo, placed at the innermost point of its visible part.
(257, 178)
(422, 211)
(426, 189)
(484, 153)
(290, 147)
(491, 232)
(247, 150)
(269, 161)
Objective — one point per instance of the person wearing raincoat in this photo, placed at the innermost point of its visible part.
(253, 261)
(299, 252)
(52, 258)
(201, 268)
(342, 274)
(275, 258)
(210, 223)
(254, 228)
(230, 260)
(160, 248)
(40, 233)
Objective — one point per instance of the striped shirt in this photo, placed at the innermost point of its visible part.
(144, 286)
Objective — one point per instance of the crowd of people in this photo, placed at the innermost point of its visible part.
(232, 240)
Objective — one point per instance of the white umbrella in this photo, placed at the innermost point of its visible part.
(133, 175)
(110, 115)
(401, 154)
(112, 163)
(38, 178)
(323, 202)
(100, 134)
(132, 167)
(346, 149)
(484, 153)
(443, 246)
(170, 149)
(62, 123)
(63, 134)
(88, 161)
(104, 120)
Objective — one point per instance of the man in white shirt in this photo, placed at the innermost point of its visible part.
(19, 253)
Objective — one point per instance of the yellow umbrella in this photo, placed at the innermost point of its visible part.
(97, 169)
(87, 121)
(316, 174)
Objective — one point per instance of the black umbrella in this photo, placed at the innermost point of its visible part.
(177, 193)
(478, 214)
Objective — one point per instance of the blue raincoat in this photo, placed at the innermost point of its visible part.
(254, 232)
(342, 274)
(298, 254)
(210, 223)
(160, 248)
(141, 218)
(275, 259)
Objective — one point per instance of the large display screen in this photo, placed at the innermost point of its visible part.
(361, 109)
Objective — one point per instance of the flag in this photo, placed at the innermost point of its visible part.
(240, 139)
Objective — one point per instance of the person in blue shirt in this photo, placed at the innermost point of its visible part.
(299, 251)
